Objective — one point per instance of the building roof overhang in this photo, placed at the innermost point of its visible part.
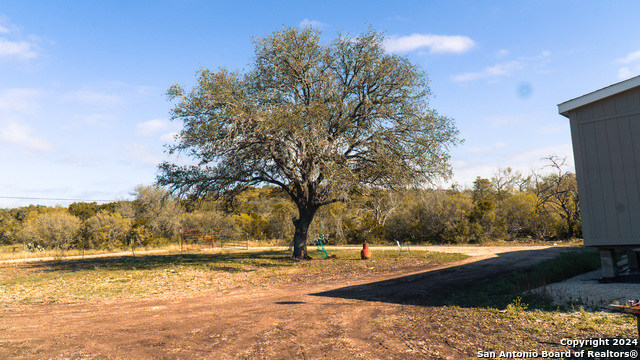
(591, 97)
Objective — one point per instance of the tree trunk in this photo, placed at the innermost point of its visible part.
(301, 224)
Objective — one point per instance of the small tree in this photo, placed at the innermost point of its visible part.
(507, 182)
(558, 192)
(318, 121)
(163, 213)
(107, 231)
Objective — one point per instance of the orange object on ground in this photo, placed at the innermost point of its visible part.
(365, 254)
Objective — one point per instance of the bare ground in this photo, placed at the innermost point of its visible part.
(339, 319)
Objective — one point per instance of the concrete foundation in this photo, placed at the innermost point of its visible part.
(609, 263)
(633, 258)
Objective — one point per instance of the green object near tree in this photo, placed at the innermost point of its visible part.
(321, 246)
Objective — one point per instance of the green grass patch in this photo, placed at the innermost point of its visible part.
(501, 291)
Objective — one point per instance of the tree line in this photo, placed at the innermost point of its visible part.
(507, 206)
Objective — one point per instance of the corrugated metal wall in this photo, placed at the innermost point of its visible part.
(606, 143)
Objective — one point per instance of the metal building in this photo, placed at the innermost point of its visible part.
(605, 131)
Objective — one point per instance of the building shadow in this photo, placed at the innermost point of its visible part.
(440, 287)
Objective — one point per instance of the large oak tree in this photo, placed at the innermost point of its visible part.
(322, 122)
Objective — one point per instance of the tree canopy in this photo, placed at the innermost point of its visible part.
(322, 122)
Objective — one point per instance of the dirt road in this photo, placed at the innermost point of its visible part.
(336, 320)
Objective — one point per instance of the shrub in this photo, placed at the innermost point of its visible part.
(51, 230)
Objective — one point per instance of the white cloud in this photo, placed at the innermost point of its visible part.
(506, 69)
(502, 53)
(516, 119)
(21, 135)
(632, 65)
(503, 69)
(435, 43)
(12, 44)
(398, 18)
(632, 57)
(628, 72)
(312, 23)
(20, 49)
(93, 97)
(486, 149)
(142, 154)
(130, 88)
(534, 156)
(554, 129)
(498, 70)
(6, 26)
(152, 127)
(526, 161)
(84, 160)
(523, 120)
(14, 105)
(465, 172)
(169, 137)
(22, 100)
(97, 118)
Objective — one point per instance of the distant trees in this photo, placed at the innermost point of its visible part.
(507, 206)
(9, 225)
(543, 206)
(150, 218)
(206, 219)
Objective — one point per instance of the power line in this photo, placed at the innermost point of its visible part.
(55, 199)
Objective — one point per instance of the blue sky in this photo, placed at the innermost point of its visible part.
(83, 111)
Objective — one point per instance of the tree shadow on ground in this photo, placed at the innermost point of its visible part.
(220, 261)
(489, 282)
